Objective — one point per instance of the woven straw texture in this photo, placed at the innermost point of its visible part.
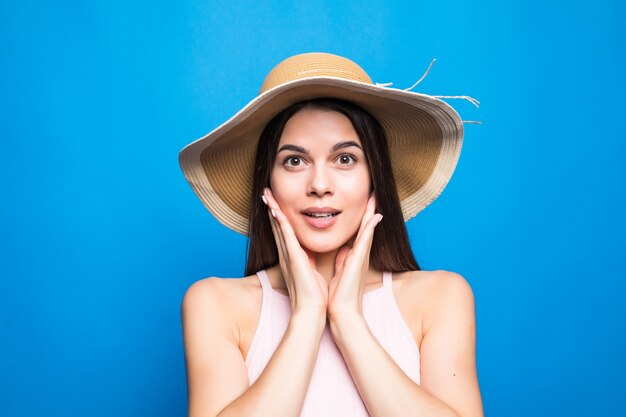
(425, 136)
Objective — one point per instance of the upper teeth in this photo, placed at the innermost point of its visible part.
(321, 215)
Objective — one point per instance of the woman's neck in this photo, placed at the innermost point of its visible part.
(325, 265)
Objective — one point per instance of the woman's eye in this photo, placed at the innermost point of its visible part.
(292, 161)
(346, 159)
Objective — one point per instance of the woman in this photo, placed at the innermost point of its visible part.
(339, 163)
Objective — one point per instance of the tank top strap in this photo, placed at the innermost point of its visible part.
(387, 282)
(265, 281)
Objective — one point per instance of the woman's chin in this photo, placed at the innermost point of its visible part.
(322, 249)
(323, 245)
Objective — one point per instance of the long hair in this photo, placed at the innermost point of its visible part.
(391, 250)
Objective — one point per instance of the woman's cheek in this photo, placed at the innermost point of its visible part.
(358, 188)
(284, 194)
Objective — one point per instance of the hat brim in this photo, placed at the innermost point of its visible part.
(425, 137)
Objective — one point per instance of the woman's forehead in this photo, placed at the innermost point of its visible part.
(318, 129)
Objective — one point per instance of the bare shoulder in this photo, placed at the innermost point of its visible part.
(223, 298)
(452, 286)
(442, 281)
(444, 293)
(426, 295)
(225, 292)
(433, 284)
(216, 371)
(205, 300)
(205, 291)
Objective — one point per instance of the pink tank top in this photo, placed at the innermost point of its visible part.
(332, 391)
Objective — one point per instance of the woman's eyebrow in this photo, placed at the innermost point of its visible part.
(346, 144)
(293, 148)
(337, 146)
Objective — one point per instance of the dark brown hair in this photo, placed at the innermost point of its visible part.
(391, 250)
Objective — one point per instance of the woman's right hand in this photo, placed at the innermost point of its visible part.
(307, 288)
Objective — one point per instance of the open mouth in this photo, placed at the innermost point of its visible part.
(321, 215)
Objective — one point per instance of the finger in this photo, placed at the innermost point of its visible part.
(312, 260)
(370, 208)
(278, 237)
(363, 245)
(288, 234)
(280, 243)
(340, 259)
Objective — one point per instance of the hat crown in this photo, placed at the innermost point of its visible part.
(313, 64)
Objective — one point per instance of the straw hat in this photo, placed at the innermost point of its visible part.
(425, 135)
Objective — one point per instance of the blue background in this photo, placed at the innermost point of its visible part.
(101, 235)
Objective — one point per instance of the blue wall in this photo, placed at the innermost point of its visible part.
(101, 235)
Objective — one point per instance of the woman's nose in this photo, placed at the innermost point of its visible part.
(320, 182)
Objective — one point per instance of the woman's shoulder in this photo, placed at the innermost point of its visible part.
(228, 303)
(221, 295)
(435, 280)
(438, 292)
(434, 290)
(439, 286)
(222, 288)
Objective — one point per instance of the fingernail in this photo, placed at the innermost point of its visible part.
(381, 217)
(273, 214)
(264, 199)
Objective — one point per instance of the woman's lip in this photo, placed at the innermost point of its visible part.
(320, 210)
(321, 223)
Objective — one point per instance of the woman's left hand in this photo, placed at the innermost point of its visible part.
(345, 290)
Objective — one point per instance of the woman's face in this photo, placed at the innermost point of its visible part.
(320, 178)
